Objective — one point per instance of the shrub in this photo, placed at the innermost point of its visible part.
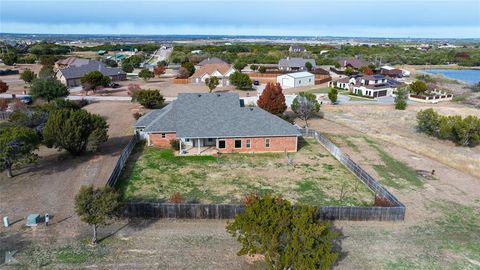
(28, 76)
(476, 87)
(333, 95)
(418, 87)
(400, 99)
(133, 88)
(462, 131)
(262, 69)
(148, 98)
(183, 73)
(76, 131)
(3, 104)
(137, 115)
(175, 144)
(241, 81)
(48, 89)
(190, 67)
(146, 74)
(289, 238)
(3, 87)
(95, 79)
(176, 198)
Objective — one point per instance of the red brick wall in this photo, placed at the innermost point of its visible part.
(157, 140)
(257, 145)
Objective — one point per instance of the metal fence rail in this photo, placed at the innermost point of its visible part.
(4, 115)
(117, 170)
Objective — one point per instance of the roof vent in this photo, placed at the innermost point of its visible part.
(199, 95)
(251, 109)
(218, 95)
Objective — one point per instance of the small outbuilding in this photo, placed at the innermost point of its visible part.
(296, 79)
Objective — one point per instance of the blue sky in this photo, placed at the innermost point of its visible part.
(363, 18)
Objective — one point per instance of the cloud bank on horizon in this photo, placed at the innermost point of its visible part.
(367, 18)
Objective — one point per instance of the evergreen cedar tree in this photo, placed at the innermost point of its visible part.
(240, 80)
(48, 89)
(333, 95)
(462, 131)
(76, 131)
(97, 206)
(212, 83)
(190, 67)
(148, 98)
(3, 87)
(16, 146)
(308, 66)
(95, 79)
(400, 99)
(10, 58)
(28, 76)
(418, 87)
(289, 237)
(272, 99)
(46, 72)
(146, 74)
(239, 66)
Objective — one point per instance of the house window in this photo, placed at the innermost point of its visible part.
(210, 139)
(221, 144)
(187, 140)
(238, 143)
(300, 82)
(267, 143)
(164, 135)
(247, 143)
(309, 80)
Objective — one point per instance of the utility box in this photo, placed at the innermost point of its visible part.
(33, 220)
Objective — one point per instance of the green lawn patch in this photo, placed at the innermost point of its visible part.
(393, 172)
(313, 176)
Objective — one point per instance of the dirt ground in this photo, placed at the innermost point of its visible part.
(314, 177)
(440, 230)
(50, 185)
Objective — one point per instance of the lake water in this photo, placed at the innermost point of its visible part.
(470, 76)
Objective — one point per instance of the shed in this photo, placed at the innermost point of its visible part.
(296, 79)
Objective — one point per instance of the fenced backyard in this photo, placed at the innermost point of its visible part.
(391, 209)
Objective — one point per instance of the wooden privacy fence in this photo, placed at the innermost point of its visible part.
(117, 170)
(395, 210)
(181, 81)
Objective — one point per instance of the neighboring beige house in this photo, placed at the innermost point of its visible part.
(221, 71)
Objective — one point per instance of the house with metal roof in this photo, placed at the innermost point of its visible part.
(211, 123)
(296, 79)
(71, 75)
(295, 64)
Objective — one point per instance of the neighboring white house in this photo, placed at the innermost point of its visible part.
(296, 79)
(371, 85)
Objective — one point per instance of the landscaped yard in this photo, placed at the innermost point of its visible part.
(313, 177)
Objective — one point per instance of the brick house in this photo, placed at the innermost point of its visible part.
(210, 123)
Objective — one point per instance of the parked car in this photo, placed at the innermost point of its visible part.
(26, 99)
(256, 82)
(113, 85)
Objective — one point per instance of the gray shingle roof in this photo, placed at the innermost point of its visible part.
(213, 60)
(212, 115)
(74, 72)
(295, 62)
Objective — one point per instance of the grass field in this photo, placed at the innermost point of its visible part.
(314, 177)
